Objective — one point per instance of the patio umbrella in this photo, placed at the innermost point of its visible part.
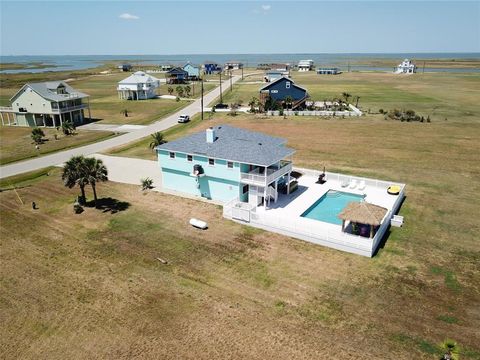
(363, 213)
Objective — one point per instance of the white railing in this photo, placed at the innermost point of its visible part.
(70, 108)
(271, 175)
(6, 109)
(347, 178)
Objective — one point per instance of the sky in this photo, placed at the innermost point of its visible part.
(237, 27)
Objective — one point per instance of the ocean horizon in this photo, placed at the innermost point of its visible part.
(343, 61)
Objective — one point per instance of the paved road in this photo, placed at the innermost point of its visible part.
(161, 125)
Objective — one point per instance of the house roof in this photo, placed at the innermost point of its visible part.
(233, 144)
(266, 87)
(48, 90)
(176, 70)
(139, 77)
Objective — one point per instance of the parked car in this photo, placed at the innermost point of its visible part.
(221, 106)
(183, 118)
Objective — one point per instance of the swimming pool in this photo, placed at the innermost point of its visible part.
(330, 205)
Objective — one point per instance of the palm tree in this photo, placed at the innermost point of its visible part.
(157, 139)
(179, 90)
(170, 90)
(68, 127)
(253, 104)
(95, 171)
(73, 174)
(187, 89)
(37, 135)
(288, 101)
(346, 96)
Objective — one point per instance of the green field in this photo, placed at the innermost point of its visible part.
(16, 143)
(94, 286)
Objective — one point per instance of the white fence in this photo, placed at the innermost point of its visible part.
(353, 112)
(315, 231)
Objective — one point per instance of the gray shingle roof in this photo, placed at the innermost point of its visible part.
(48, 91)
(233, 144)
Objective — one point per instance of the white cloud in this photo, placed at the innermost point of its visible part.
(266, 7)
(127, 16)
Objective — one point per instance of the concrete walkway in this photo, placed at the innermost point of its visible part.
(161, 125)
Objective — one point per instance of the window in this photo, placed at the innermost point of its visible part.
(245, 189)
(172, 155)
(230, 164)
(287, 85)
(211, 161)
(189, 158)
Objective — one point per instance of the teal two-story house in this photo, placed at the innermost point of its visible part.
(224, 163)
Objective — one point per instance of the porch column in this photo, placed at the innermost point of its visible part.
(288, 183)
(371, 231)
(8, 117)
(61, 119)
(89, 115)
(276, 190)
(43, 118)
(1, 115)
(265, 197)
(343, 225)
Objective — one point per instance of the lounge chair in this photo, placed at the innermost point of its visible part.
(361, 185)
(344, 183)
(353, 184)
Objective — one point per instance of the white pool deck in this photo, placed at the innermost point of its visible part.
(284, 216)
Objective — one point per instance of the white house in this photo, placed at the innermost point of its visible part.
(406, 67)
(138, 86)
(305, 65)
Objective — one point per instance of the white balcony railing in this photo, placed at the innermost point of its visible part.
(69, 108)
(263, 179)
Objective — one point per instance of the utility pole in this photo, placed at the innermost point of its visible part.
(242, 72)
(423, 66)
(231, 81)
(221, 98)
(202, 100)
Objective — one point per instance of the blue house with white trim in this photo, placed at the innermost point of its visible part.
(281, 89)
(211, 67)
(224, 163)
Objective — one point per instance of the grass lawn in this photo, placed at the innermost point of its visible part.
(16, 143)
(90, 285)
(441, 95)
(234, 291)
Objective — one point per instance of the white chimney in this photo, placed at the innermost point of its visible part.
(210, 135)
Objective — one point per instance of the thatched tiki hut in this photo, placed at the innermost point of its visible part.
(363, 213)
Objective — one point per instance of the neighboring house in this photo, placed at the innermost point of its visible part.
(176, 76)
(406, 67)
(272, 75)
(280, 67)
(233, 65)
(45, 104)
(166, 67)
(305, 65)
(138, 86)
(280, 90)
(328, 71)
(193, 72)
(125, 67)
(210, 67)
(225, 163)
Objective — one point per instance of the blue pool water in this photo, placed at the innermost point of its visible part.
(330, 205)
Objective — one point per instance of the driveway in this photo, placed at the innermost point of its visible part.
(161, 125)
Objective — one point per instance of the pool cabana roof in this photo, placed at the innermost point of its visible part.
(363, 213)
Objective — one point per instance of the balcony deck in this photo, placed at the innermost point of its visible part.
(254, 177)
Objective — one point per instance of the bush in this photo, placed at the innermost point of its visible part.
(146, 183)
(177, 99)
(381, 111)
